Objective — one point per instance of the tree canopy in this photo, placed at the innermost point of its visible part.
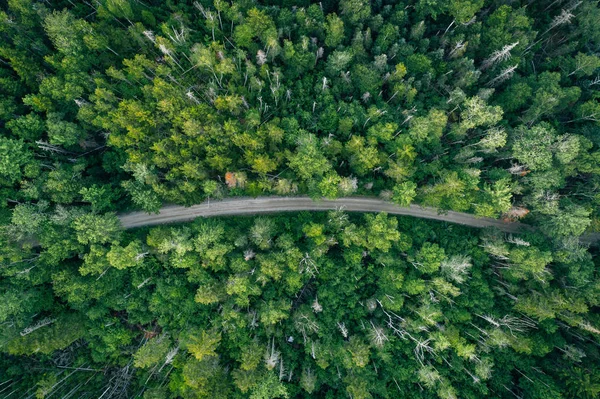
(481, 106)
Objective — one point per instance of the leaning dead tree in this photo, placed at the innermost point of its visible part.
(37, 326)
(506, 74)
(498, 56)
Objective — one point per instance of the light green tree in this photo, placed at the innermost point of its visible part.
(202, 344)
(100, 229)
(404, 193)
(152, 352)
(334, 31)
(428, 128)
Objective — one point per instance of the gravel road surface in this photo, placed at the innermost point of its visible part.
(261, 205)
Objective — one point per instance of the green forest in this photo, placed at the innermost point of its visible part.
(487, 107)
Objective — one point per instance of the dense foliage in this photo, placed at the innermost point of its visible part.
(315, 305)
(483, 106)
(488, 108)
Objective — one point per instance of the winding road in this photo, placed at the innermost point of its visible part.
(262, 205)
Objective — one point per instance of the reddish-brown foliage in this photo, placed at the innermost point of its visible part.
(230, 179)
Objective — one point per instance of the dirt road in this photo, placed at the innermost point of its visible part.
(261, 205)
